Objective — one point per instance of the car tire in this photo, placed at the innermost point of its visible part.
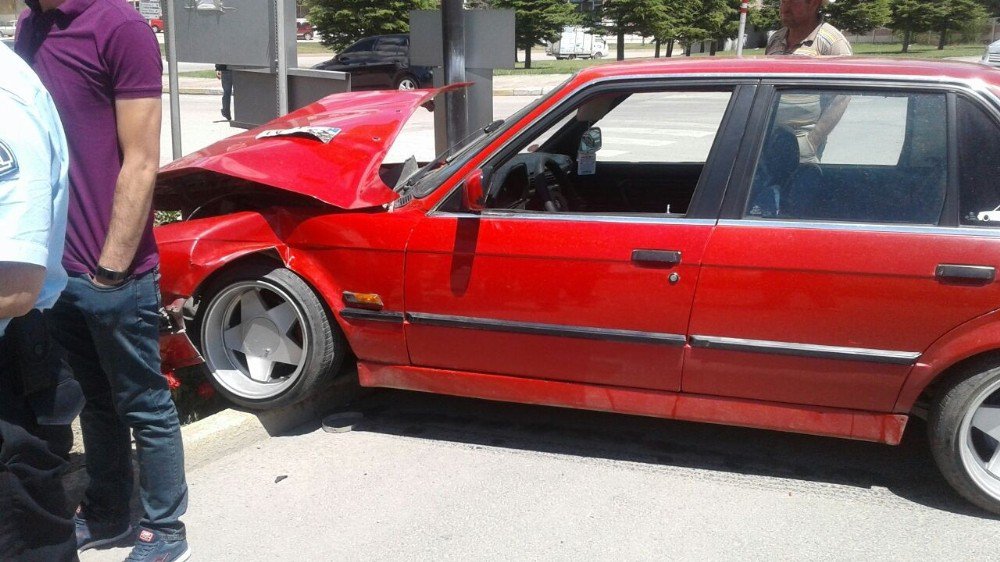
(156, 29)
(962, 450)
(284, 348)
(309, 37)
(407, 82)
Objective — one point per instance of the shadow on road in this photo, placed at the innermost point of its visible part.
(908, 470)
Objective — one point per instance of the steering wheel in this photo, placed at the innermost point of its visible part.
(554, 200)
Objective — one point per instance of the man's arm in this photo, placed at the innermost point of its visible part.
(139, 138)
(20, 284)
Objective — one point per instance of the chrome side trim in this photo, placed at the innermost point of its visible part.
(571, 217)
(988, 232)
(558, 330)
(807, 350)
(374, 315)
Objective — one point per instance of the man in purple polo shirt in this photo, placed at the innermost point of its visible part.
(101, 63)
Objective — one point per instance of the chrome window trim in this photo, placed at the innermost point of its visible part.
(574, 217)
(806, 350)
(977, 88)
(540, 329)
(978, 231)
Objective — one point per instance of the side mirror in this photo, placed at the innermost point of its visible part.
(473, 195)
(590, 142)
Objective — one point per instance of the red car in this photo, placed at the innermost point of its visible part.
(157, 25)
(304, 30)
(785, 244)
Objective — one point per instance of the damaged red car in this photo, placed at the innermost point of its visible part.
(795, 245)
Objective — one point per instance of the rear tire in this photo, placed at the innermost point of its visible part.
(267, 338)
(964, 433)
(407, 82)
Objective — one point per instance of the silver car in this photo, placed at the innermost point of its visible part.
(992, 54)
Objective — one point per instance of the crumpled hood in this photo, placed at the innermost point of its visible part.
(342, 172)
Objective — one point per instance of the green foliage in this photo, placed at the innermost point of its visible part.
(860, 16)
(342, 22)
(536, 21)
(639, 17)
(765, 17)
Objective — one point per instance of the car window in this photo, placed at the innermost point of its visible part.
(666, 127)
(392, 44)
(362, 45)
(653, 148)
(872, 157)
(978, 166)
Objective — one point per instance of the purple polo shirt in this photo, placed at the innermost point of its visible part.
(89, 53)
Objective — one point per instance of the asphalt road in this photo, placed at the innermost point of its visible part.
(438, 478)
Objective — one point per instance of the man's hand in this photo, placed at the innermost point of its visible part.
(20, 284)
(139, 139)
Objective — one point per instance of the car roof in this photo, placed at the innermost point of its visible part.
(800, 66)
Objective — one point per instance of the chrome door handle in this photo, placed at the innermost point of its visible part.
(656, 257)
(977, 273)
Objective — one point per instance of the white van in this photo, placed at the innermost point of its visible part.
(575, 42)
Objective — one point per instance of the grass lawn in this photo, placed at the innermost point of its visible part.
(313, 48)
(198, 74)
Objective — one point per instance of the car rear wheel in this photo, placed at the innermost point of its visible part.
(309, 37)
(964, 431)
(407, 82)
(266, 337)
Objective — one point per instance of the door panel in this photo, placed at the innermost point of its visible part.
(821, 284)
(554, 298)
(861, 290)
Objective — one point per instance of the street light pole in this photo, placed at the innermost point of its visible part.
(175, 95)
(453, 40)
(744, 6)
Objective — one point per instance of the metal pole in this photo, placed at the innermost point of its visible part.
(453, 29)
(279, 30)
(744, 6)
(175, 94)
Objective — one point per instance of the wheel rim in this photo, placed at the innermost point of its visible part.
(407, 84)
(254, 340)
(980, 440)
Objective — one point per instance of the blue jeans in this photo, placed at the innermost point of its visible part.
(112, 338)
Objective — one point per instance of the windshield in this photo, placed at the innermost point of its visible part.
(429, 177)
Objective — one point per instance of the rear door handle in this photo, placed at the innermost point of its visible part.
(953, 272)
(656, 257)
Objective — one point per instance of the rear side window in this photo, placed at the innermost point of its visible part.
(978, 166)
(867, 157)
(392, 44)
(363, 45)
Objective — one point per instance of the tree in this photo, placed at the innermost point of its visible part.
(946, 15)
(718, 19)
(538, 20)
(911, 16)
(621, 17)
(765, 17)
(860, 16)
(342, 22)
(679, 15)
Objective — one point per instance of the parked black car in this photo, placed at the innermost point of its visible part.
(380, 62)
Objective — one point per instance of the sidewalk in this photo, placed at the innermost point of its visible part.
(507, 85)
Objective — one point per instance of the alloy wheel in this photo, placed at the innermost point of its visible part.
(979, 435)
(254, 339)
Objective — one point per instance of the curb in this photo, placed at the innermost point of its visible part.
(231, 430)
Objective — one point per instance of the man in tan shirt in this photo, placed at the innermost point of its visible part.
(806, 34)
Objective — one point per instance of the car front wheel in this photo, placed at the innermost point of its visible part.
(964, 428)
(266, 337)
